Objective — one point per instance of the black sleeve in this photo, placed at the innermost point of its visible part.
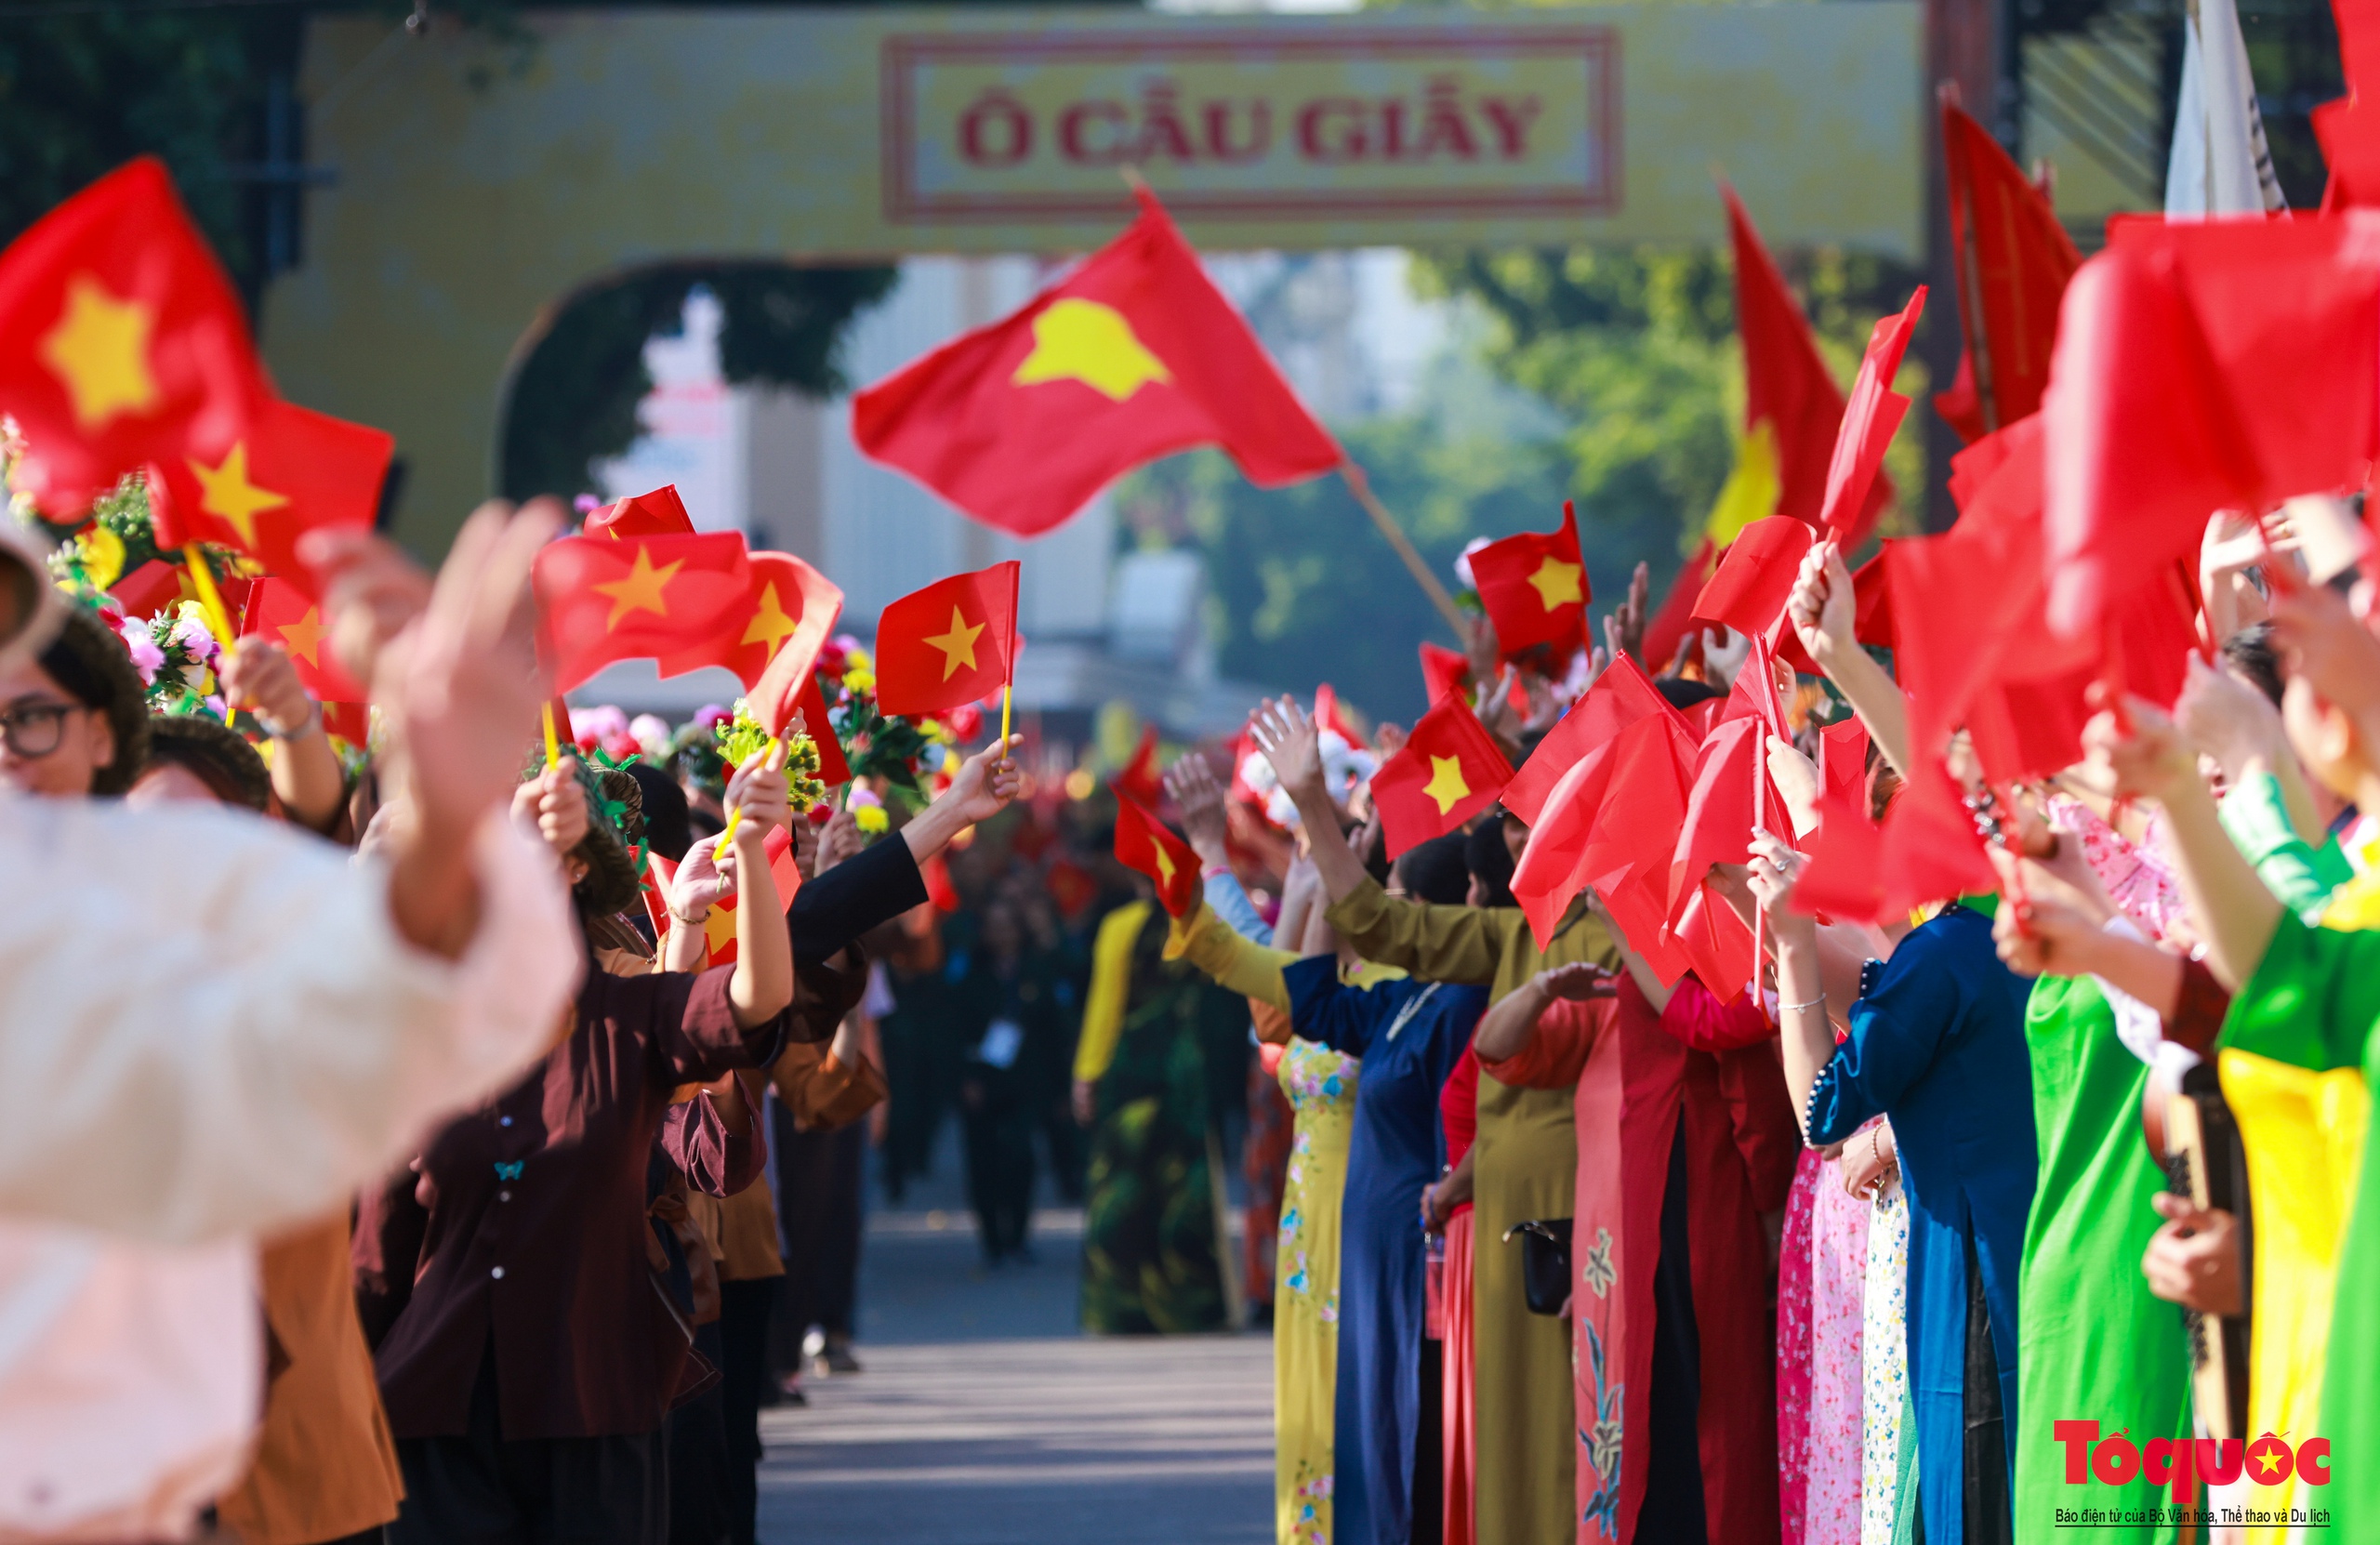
(875, 886)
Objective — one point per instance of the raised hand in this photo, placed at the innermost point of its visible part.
(987, 781)
(1623, 628)
(1796, 778)
(1823, 606)
(2141, 747)
(705, 879)
(840, 839)
(556, 803)
(1192, 781)
(258, 675)
(2044, 937)
(1578, 982)
(758, 788)
(1292, 743)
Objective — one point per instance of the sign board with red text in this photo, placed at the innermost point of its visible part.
(476, 184)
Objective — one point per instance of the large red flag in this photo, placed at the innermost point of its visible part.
(1620, 696)
(1449, 770)
(952, 642)
(638, 598)
(280, 612)
(1868, 424)
(294, 471)
(1787, 384)
(1534, 588)
(1135, 355)
(770, 641)
(1144, 843)
(2202, 366)
(121, 341)
(1749, 591)
(2014, 261)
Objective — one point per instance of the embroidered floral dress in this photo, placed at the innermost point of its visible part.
(1321, 1087)
(1883, 1356)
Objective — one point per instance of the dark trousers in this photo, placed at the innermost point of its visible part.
(1673, 1511)
(700, 1467)
(820, 1176)
(1991, 1519)
(1000, 1164)
(1429, 1449)
(486, 1489)
(745, 1309)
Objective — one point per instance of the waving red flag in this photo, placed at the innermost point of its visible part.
(1787, 384)
(1620, 696)
(121, 341)
(1139, 777)
(771, 639)
(1450, 769)
(659, 513)
(2014, 261)
(1868, 424)
(952, 642)
(1144, 843)
(295, 470)
(2200, 366)
(1444, 670)
(1534, 588)
(1748, 593)
(280, 612)
(1134, 356)
(638, 598)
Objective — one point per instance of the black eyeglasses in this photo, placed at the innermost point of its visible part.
(34, 730)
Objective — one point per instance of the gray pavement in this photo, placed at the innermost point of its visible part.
(986, 1418)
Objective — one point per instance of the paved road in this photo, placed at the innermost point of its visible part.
(985, 1419)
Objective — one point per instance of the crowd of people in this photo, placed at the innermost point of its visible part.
(1903, 1239)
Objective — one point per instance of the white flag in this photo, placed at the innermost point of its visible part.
(2220, 164)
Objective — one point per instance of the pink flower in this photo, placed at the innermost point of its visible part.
(147, 659)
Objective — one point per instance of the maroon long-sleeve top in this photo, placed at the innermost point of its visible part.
(532, 1222)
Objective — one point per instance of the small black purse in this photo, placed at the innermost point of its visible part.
(1546, 1264)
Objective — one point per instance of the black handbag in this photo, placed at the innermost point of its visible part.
(1546, 1264)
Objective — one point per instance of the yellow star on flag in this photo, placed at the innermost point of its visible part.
(957, 646)
(770, 625)
(305, 636)
(1446, 785)
(1082, 340)
(719, 928)
(1164, 863)
(100, 352)
(231, 497)
(641, 591)
(1557, 584)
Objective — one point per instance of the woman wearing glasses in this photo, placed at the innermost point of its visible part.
(74, 721)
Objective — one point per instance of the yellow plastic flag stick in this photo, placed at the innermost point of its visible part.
(553, 744)
(1005, 691)
(210, 599)
(735, 815)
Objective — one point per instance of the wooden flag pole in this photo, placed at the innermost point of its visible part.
(1361, 487)
(210, 599)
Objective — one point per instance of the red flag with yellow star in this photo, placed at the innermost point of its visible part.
(638, 597)
(295, 470)
(1145, 843)
(950, 644)
(121, 341)
(1449, 772)
(280, 612)
(771, 641)
(1134, 356)
(1535, 588)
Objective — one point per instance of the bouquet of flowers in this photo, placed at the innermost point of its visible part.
(875, 742)
(175, 654)
(743, 734)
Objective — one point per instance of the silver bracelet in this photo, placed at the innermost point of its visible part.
(1817, 1002)
(305, 726)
